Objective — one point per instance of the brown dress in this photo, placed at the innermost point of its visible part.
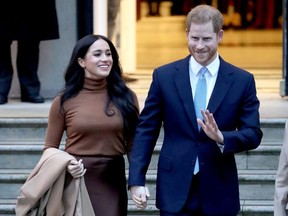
(98, 140)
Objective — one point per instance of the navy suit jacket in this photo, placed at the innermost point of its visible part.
(235, 107)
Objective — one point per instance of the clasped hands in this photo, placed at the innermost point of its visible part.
(140, 195)
(76, 168)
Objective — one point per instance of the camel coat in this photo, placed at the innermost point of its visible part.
(49, 191)
(281, 183)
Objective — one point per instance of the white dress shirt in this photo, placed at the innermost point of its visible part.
(194, 68)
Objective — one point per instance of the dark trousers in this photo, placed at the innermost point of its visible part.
(193, 204)
(27, 66)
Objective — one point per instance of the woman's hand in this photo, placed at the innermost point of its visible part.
(76, 168)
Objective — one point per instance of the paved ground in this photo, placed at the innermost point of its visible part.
(272, 105)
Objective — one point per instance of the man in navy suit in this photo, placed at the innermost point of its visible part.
(197, 172)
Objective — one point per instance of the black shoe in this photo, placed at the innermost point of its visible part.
(3, 99)
(33, 99)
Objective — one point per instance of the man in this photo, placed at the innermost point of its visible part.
(28, 23)
(197, 172)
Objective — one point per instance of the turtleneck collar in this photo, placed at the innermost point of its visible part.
(93, 84)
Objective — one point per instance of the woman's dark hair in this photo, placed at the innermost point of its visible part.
(118, 92)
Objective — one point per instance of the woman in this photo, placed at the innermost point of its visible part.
(98, 113)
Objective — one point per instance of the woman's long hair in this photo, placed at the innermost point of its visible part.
(118, 92)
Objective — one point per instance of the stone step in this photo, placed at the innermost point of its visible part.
(33, 129)
(25, 156)
(254, 184)
(237, 47)
(22, 141)
(20, 129)
(248, 208)
(161, 26)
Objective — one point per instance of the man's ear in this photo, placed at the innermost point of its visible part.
(220, 36)
(81, 62)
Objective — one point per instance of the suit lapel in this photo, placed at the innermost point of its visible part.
(182, 83)
(222, 85)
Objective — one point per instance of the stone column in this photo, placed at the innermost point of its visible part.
(284, 81)
(100, 17)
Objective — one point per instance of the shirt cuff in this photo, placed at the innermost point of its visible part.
(221, 147)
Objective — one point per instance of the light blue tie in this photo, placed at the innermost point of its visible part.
(200, 93)
(200, 102)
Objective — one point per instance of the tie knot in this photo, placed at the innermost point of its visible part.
(202, 72)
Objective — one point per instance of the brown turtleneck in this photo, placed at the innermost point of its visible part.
(89, 131)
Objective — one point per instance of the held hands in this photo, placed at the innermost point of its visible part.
(210, 127)
(76, 168)
(140, 195)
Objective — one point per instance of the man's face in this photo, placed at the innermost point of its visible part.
(203, 42)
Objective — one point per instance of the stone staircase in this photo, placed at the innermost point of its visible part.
(22, 140)
(162, 39)
(159, 41)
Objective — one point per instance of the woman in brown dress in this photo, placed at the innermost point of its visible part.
(98, 114)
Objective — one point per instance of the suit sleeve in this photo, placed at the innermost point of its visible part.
(146, 135)
(248, 134)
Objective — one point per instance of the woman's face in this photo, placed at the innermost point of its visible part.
(203, 42)
(98, 61)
